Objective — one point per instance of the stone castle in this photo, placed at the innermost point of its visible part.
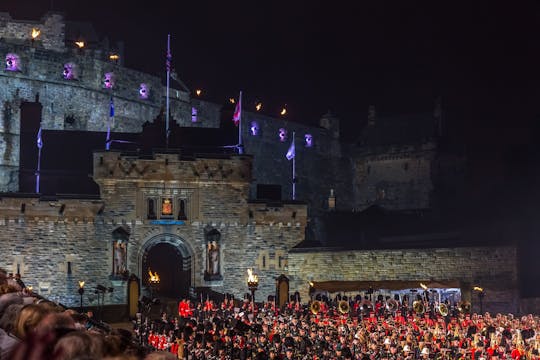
(203, 219)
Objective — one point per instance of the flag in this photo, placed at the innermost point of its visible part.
(168, 59)
(111, 108)
(39, 139)
(238, 111)
(291, 153)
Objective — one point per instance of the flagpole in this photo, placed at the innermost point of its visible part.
(240, 145)
(294, 170)
(111, 114)
(40, 144)
(168, 80)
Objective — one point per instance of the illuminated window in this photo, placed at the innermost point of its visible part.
(166, 207)
(69, 72)
(308, 140)
(282, 134)
(144, 92)
(254, 128)
(12, 62)
(108, 80)
(194, 114)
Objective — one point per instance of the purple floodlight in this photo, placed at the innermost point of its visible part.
(282, 134)
(308, 139)
(12, 62)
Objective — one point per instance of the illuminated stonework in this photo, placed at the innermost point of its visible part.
(254, 128)
(108, 80)
(144, 92)
(12, 62)
(308, 140)
(282, 134)
(70, 71)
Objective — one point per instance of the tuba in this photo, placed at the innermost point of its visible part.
(464, 307)
(418, 307)
(392, 305)
(343, 306)
(443, 309)
(315, 307)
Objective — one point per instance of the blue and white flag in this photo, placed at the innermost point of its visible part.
(291, 153)
(39, 139)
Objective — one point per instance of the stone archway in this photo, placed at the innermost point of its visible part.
(169, 256)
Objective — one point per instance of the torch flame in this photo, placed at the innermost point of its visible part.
(198, 92)
(154, 277)
(478, 288)
(35, 33)
(311, 283)
(80, 44)
(283, 111)
(258, 106)
(423, 286)
(81, 284)
(114, 57)
(252, 278)
(232, 101)
(29, 288)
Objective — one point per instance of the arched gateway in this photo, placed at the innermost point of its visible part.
(169, 256)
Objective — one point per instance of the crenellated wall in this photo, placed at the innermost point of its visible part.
(494, 269)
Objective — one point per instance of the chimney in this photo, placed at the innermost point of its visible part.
(332, 201)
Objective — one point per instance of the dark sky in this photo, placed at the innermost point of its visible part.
(482, 58)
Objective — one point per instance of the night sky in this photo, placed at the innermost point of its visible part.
(315, 56)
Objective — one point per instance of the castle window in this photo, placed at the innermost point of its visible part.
(308, 140)
(194, 114)
(143, 91)
(182, 209)
(12, 62)
(254, 128)
(108, 80)
(70, 71)
(406, 166)
(69, 270)
(282, 134)
(151, 213)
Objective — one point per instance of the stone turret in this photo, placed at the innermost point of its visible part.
(331, 123)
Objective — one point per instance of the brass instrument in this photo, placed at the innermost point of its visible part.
(366, 305)
(392, 305)
(418, 307)
(343, 306)
(464, 307)
(315, 307)
(443, 309)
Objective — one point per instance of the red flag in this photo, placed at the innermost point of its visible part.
(238, 111)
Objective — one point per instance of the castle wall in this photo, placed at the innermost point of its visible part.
(52, 28)
(493, 269)
(397, 179)
(319, 168)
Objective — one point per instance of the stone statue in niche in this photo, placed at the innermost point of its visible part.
(120, 269)
(120, 257)
(212, 271)
(213, 258)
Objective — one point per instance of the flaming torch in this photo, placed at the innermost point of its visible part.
(253, 284)
(81, 292)
(35, 33)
